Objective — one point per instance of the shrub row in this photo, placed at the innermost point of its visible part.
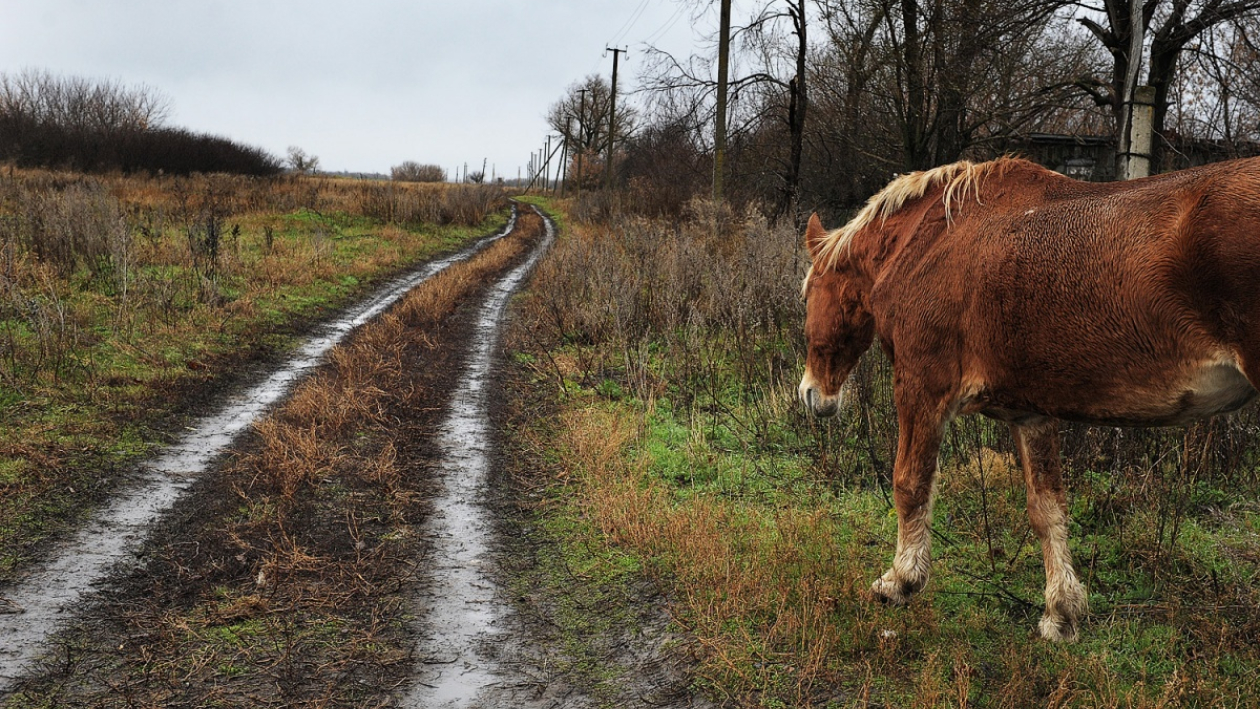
(30, 143)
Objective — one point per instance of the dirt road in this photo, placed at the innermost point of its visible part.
(463, 613)
(334, 536)
(39, 604)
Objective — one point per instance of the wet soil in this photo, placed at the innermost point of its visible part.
(409, 587)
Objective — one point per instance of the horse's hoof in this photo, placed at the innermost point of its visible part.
(893, 593)
(1058, 630)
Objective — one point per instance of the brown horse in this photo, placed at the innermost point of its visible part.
(1005, 289)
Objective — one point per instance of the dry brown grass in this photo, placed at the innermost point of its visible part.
(392, 202)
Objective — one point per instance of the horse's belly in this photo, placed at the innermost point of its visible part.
(1215, 387)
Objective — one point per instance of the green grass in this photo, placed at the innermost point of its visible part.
(978, 612)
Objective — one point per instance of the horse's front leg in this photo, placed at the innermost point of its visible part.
(1038, 444)
(914, 485)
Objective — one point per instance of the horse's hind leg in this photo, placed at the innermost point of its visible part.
(1047, 511)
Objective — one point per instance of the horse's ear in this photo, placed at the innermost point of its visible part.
(814, 234)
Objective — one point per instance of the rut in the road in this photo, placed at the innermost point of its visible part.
(48, 596)
(464, 608)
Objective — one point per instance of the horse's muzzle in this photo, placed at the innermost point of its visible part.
(821, 404)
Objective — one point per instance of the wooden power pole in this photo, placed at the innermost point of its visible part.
(719, 140)
(581, 146)
(612, 117)
(564, 153)
(546, 164)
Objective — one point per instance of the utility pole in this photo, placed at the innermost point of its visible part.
(547, 164)
(581, 137)
(544, 169)
(564, 154)
(719, 141)
(612, 116)
(1141, 122)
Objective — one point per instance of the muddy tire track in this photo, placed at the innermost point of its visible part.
(463, 612)
(46, 595)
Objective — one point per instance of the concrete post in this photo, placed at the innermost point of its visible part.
(1138, 161)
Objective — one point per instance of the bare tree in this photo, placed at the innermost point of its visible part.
(412, 171)
(769, 86)
(103, 125)
(581, 116)
(78, 103)
(938, 79)
(1216, 97)
(300, 162)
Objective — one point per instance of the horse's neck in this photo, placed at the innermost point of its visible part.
(873, 247)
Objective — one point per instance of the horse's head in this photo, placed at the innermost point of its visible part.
(838, 326)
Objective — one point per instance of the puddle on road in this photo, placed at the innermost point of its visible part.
(33, 609)
(462, 612)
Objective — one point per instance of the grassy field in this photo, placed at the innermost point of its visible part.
(675, 449)
(124, 302)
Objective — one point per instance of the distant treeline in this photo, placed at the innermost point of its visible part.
(103, 126)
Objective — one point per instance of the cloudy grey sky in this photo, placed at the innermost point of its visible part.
(363, 85)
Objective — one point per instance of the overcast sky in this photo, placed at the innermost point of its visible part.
(363, 85)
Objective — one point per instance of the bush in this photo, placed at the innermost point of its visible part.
(412, 171)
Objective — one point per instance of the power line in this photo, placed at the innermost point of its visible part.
(667, 26)
(629, 24)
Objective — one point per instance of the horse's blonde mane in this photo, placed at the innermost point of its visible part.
(960, 179)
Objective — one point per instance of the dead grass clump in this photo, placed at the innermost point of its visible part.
(413, 204)
(82, 226)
